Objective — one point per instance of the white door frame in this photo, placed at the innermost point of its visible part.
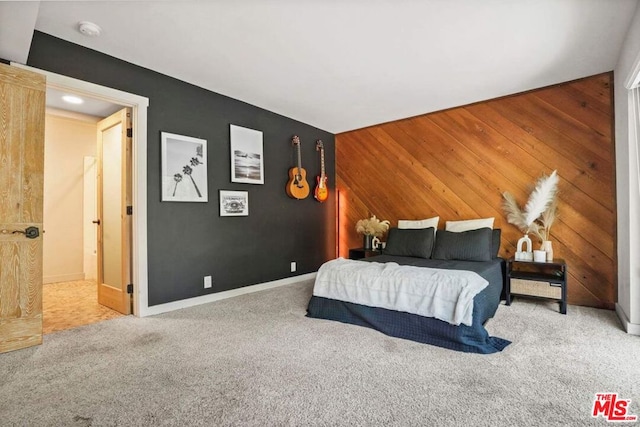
(138, 105)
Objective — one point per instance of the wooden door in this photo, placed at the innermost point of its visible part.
(114, 227)
(22, 104)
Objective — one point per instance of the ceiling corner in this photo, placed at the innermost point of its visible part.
(17, 23)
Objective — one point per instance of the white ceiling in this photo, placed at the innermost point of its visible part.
(90, 106)
(348, 64)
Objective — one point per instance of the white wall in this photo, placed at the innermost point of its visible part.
(68, 138)
(628, 187)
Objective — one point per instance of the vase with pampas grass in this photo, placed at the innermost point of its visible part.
(538, 214)
(544, 225)
(370, 228)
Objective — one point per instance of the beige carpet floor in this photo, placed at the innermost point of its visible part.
(67, 305)
(256, 360)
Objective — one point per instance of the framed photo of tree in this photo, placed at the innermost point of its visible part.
(247, 162)
(184, 168)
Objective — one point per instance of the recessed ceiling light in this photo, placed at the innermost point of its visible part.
(89, 28)
(72, 99)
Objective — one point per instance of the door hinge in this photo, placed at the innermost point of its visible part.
(129, 132)
(129, 210)
(130, 288)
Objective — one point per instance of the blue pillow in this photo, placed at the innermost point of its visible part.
(472, 245)
(410, 242)
(495, 242)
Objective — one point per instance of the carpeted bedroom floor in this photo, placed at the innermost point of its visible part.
(256, 360)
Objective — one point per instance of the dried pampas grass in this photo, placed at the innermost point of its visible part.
(539, 212)
(515, 215)
(541, 197)
(547, 219)
(372, 226)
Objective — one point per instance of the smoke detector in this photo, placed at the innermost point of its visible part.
(89, 29)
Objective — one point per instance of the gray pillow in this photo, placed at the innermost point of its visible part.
(410, 242)
(472, 245)
(495, 242)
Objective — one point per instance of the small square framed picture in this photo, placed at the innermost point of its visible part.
(234, 203)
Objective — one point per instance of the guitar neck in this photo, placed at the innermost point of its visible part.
(320, 147)
(321, 192)
(296, 141)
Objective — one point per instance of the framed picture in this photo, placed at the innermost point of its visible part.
(184, 168)
(234, 203)
(247, 162)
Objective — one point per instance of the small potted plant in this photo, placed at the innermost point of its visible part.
(370, 228)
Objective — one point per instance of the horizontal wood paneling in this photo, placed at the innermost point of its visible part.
(456, 164)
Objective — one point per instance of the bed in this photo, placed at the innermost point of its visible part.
(445, 251)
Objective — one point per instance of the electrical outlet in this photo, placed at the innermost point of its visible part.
(293, 266)
(207, 282)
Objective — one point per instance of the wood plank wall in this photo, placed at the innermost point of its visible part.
(457, 163)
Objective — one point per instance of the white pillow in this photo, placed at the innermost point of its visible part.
(470, 224)
(421, 223)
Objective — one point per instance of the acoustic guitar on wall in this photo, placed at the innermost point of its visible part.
(321, 192)
(297, 187)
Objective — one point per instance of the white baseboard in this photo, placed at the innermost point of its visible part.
(63, 278)
(191, 302)
(630, 328)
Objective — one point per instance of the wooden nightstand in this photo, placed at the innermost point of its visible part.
(546, 280)
(360, 253)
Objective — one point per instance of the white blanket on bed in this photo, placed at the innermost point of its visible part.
(432, 292)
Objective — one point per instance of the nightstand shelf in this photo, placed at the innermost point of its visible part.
(547, 280)
(359, 253)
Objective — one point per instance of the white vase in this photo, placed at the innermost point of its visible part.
(548, 248)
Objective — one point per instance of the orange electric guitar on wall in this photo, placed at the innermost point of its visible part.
(297, 187)
(321, 192)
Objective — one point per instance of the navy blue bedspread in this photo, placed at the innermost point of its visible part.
(428, 330)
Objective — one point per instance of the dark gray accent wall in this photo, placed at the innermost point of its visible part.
(187, 241)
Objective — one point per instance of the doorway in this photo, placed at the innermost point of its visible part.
(27, 122)
(73, 258)
(138, 105)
